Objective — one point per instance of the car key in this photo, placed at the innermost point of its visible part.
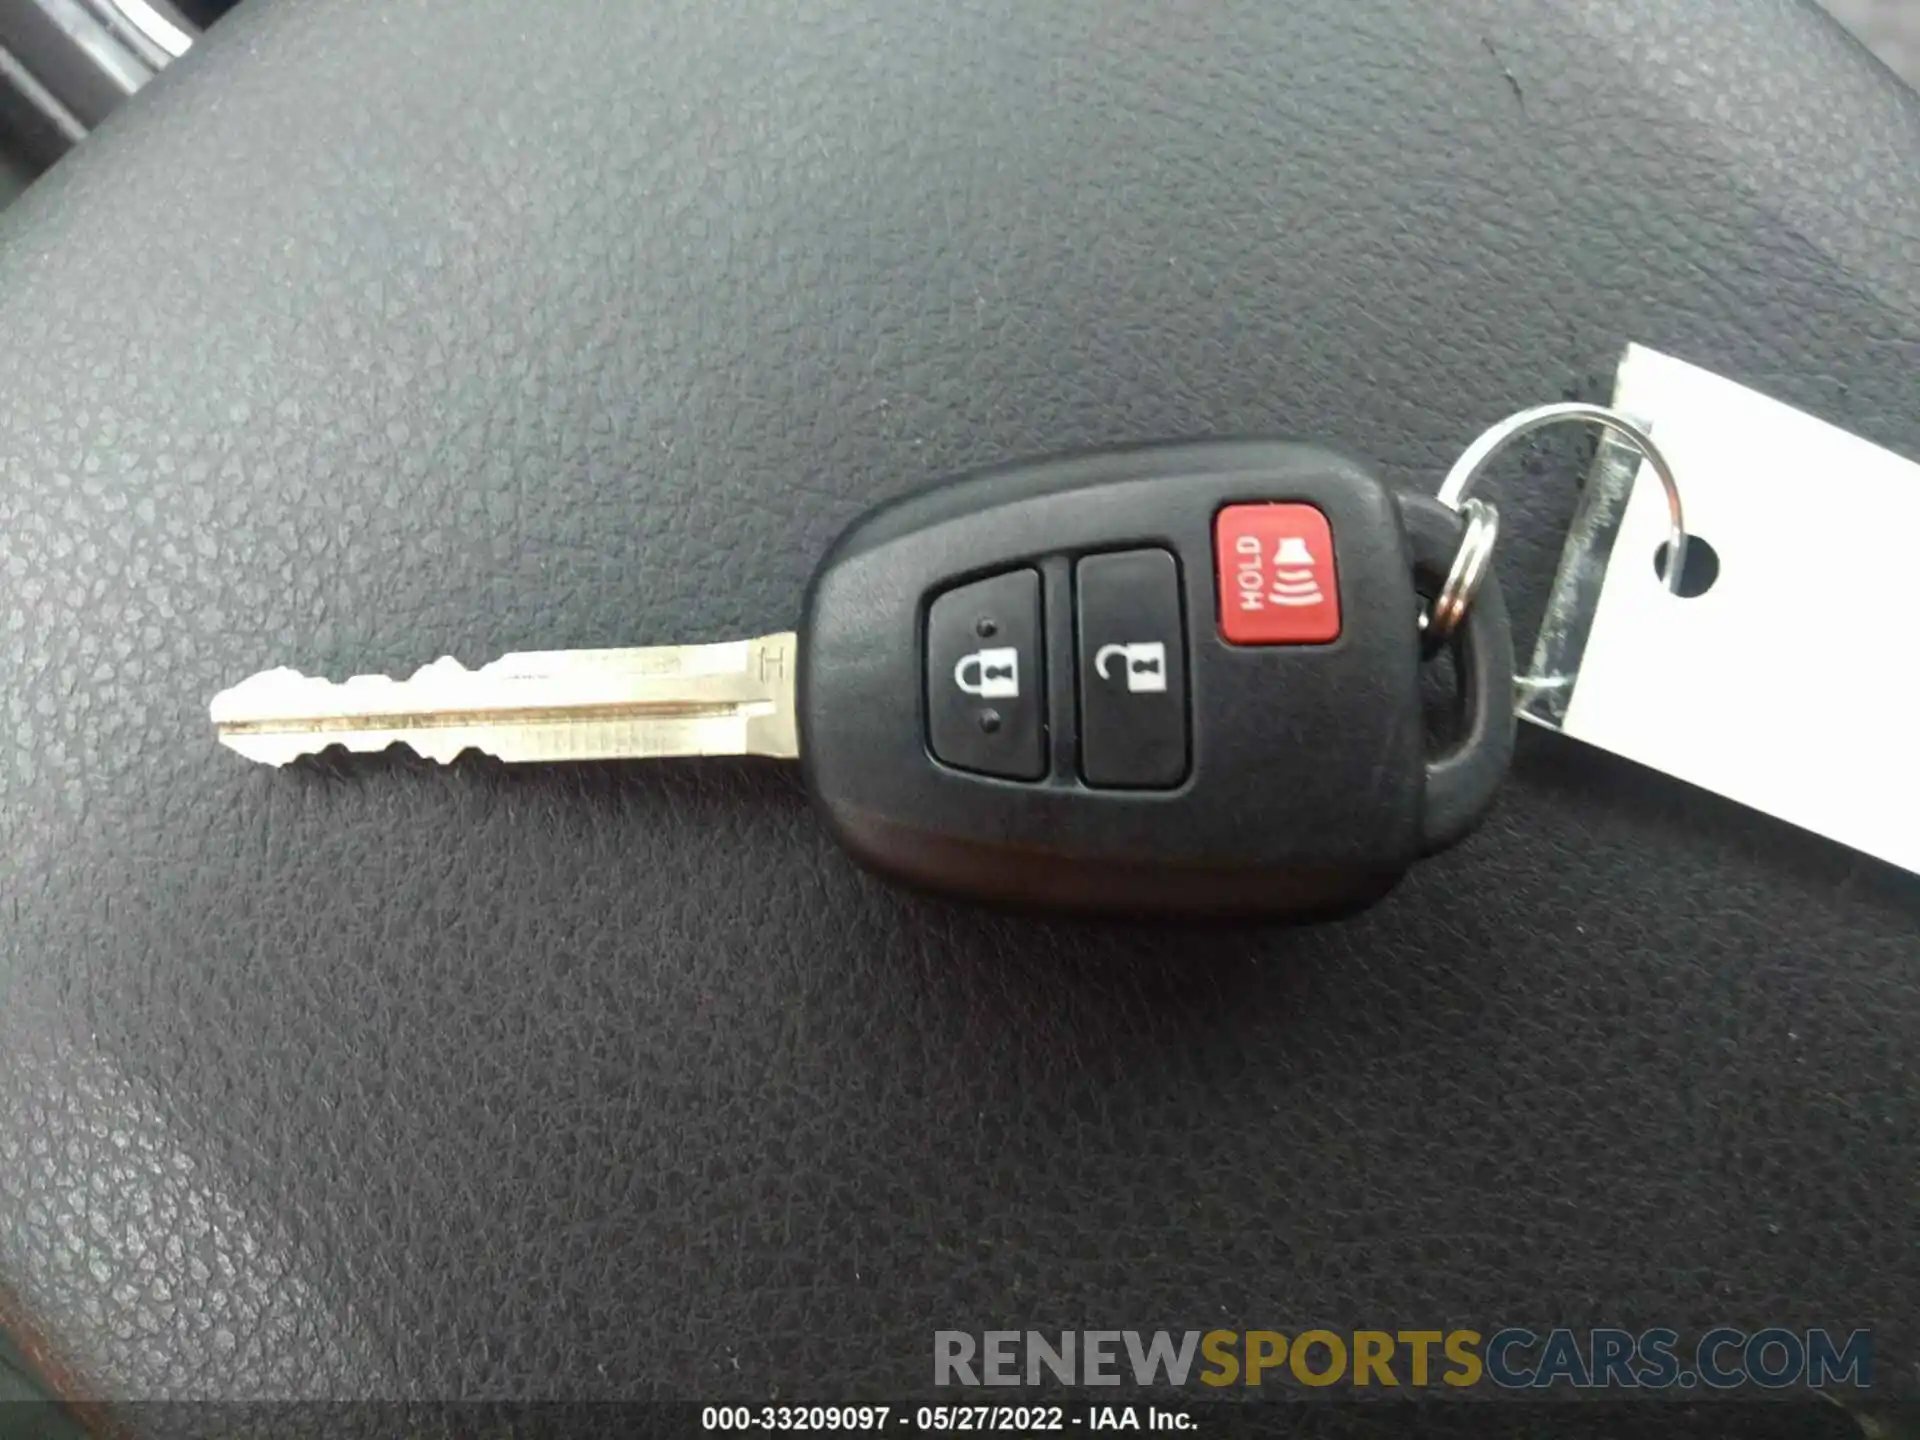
(1179, 678)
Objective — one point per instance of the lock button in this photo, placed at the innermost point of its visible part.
(1133, 671)
(986, 710)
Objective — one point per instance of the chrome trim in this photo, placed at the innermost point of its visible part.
(110, 56)
(156, 27)
(43, 100)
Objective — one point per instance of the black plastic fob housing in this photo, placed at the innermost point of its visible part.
(1306, 787)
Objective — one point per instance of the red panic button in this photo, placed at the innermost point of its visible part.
(1277, 582)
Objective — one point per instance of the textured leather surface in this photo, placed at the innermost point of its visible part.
(373, 333)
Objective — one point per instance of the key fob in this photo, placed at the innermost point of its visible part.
(1178, 678)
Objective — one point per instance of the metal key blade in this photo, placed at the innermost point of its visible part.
(734, 698)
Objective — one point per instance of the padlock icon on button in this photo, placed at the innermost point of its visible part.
(1144, 663)
(995, 673)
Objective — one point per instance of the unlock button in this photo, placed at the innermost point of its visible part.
(985, 710)
(1133, 680)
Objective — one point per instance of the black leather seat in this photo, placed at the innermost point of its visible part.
(372, 333)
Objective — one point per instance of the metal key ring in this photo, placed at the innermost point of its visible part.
(1475, 555)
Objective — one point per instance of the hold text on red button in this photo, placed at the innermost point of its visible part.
(1276, 573)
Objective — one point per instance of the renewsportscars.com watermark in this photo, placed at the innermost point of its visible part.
(1512, 1358)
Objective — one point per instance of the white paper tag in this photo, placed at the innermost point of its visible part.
(1789, 685)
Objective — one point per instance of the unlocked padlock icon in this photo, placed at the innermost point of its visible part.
(1143, 663)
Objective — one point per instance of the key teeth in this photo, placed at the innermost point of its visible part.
(281, 687)
(726, 698)
(441, 754)
(283, 750)
(446, 667)
(267, 682)
(285, 691)
(266, 749)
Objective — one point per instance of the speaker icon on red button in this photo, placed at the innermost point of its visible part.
(1275, 567)
(1294, 580)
